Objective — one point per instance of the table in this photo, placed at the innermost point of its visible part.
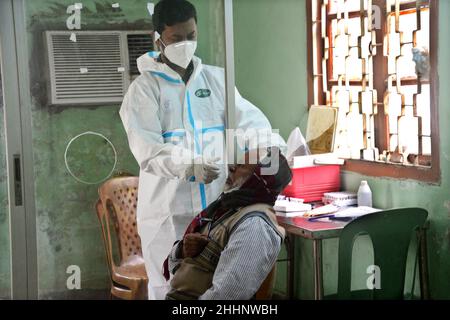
(316, 231)
(326, 229)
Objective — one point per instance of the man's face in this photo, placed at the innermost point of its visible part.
(183, 31)
(238, 174)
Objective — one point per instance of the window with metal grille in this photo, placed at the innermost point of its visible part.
(363, 56)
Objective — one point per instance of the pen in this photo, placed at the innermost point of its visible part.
(320, 217)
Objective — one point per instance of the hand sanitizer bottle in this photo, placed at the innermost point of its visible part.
(364, 195)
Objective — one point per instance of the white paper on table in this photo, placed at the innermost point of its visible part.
(354, 212)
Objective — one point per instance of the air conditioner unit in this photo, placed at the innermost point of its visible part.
(93, 67)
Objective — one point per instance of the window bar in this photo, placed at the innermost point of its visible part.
(399, 57)
(375, 103)
(346, 18)
(371, 152)
(324, 18)
(418, 15)
(325, 79)
(373, 44)
(379, 60)
(325, 47)
(315, 51)
(360, 43)
(388, 96)
(419, 83)
(388, 6)
(398, 80)
(340, 3)
(397, 15)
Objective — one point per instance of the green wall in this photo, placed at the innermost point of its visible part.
(271, 57)
(67, 227)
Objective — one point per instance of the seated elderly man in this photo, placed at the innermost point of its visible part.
(230, 247)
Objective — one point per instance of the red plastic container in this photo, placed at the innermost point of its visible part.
(310, 183)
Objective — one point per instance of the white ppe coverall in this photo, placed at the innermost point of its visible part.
(163, 116)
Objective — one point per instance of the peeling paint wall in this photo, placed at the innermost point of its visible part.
(271, 57)
(67, 227)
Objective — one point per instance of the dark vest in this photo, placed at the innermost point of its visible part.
(194, 275)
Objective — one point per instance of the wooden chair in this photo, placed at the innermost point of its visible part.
(117, 205)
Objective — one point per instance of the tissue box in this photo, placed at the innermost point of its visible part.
(310, 183)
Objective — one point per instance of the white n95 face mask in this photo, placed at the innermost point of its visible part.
(180, 53)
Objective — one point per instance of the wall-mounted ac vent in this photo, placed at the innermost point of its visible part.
(93, 67)
(138, 44)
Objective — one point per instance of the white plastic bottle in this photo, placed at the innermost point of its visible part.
(364, 195)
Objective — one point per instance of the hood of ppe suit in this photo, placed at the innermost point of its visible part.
(148, 62)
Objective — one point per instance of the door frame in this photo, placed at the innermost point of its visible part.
(17, 123)
(18, 128)
(229, 65)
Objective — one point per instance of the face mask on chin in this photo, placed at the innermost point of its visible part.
(180, 53)
(228, 188)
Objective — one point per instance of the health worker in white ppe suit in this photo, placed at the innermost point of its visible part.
(174, 117)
